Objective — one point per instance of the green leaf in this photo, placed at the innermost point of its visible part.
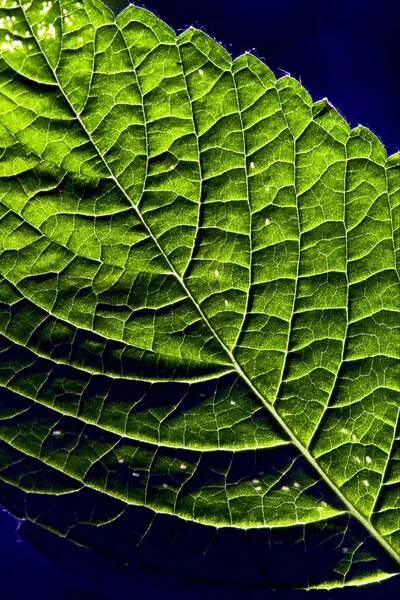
(199, 303)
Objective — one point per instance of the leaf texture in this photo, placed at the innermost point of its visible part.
(199, 309)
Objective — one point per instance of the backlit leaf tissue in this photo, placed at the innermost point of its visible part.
(199, 305)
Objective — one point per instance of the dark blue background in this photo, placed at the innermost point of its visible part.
(346, 50)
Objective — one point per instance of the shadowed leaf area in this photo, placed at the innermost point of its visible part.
(199, 306)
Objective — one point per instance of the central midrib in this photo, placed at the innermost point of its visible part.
(302, 449)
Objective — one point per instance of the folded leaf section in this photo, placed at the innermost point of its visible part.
(204, 415)
(216, 487)
(252, 557)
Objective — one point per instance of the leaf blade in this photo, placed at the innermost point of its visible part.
(217, 258)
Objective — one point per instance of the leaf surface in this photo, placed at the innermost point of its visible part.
(199, 296)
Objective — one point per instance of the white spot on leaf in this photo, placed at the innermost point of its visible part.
(7, 46)
(46, 6)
